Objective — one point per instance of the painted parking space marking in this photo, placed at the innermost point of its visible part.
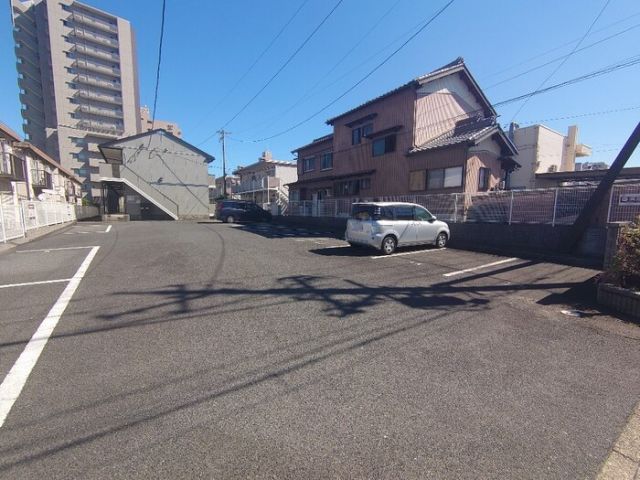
(479, 267)
(42, 282)
(108, 229)
(378, 257)
(47, 250)
(14, 382)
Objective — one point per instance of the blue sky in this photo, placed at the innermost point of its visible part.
(210, 45)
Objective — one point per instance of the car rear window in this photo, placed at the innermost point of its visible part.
(371, 212)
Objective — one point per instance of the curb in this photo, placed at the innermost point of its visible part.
(623, 462)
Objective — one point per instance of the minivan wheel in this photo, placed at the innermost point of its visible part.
(441, 240)
(230, 219)
(389, 245)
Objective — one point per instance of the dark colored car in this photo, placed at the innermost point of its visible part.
(231, 211)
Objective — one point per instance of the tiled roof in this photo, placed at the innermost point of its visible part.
(466, 131)
(314, 142)
(452, 67)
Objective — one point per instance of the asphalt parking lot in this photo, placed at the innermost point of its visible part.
(185, 350)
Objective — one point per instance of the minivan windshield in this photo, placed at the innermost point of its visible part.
(370, 212)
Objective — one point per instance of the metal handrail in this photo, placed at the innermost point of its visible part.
(142, 181)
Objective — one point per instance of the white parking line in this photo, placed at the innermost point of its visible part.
(377, 257)
(479, 267)
(42, 282)
(108, 229)
(15, 380)
(53, 249)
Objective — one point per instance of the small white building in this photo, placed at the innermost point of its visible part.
(543, 150)
(266, 182)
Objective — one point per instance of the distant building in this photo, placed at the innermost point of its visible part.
(591, 166)
(543, 150)
(78, 79)
(218, 189)
(266, 182)
(148, 124)
(155, 176)
(27, 173)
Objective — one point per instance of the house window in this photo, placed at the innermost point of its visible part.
(365, 183)
(444, 178)
(417, 180)
(309, 164)
(359, 132)
(348, 188)
(483, 178)
(383, 145)
(326, 161)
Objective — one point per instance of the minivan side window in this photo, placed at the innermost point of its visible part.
(403, 212)
(423, 215)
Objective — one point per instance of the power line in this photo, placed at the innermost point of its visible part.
(588, 114)
(283, 66)
(558, 47)
(562, 57)
(155, 96)
(354, 86)
(255, 62)
(555, 70)
(307, 93)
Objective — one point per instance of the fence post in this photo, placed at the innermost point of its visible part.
(511, 207)
(610, 204)
(335, 208)
(4, 233)
(555, 206)
(455, 208)
(23, 221)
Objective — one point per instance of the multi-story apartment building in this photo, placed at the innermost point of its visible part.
(435, 134)
(266, 182)
(77, 73)
(27, 173)
(148, 123)
(543, 150)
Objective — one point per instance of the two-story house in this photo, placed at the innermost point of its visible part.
(28, 173)
(435, 134)
(266, 182)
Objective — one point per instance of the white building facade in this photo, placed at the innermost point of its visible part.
(543, 150)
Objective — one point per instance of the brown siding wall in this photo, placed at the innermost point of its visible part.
(482, 160)
(315, 150)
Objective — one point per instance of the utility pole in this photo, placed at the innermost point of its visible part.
(582, 222)
(223, 133)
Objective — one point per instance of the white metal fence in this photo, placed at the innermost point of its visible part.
(554, 206)
(16, 219)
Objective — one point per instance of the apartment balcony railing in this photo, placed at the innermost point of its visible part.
(98, 82)
(96, 67)
(41, 178)
(257, 185)
(95, 37)
(96, 52)
(94, 22)
(99, 96)
(101, 127)
(105, 112)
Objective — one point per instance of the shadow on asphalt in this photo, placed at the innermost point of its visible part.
(363, 251)
(274, 230)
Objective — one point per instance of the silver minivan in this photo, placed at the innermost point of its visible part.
(388, 225)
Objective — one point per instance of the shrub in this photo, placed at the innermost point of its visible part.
(625, 271)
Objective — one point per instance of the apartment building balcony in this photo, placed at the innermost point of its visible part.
(105, 112)
(94, 22)
(266, 183)
(94, 37)
(583, 150)
(12, 167)
(98, 82)
(99, 96)
(101, 127)
(41, 179)
(28, 69)
(96, 52)
(96, 67)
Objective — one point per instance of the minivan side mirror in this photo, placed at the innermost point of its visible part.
(433, 218)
